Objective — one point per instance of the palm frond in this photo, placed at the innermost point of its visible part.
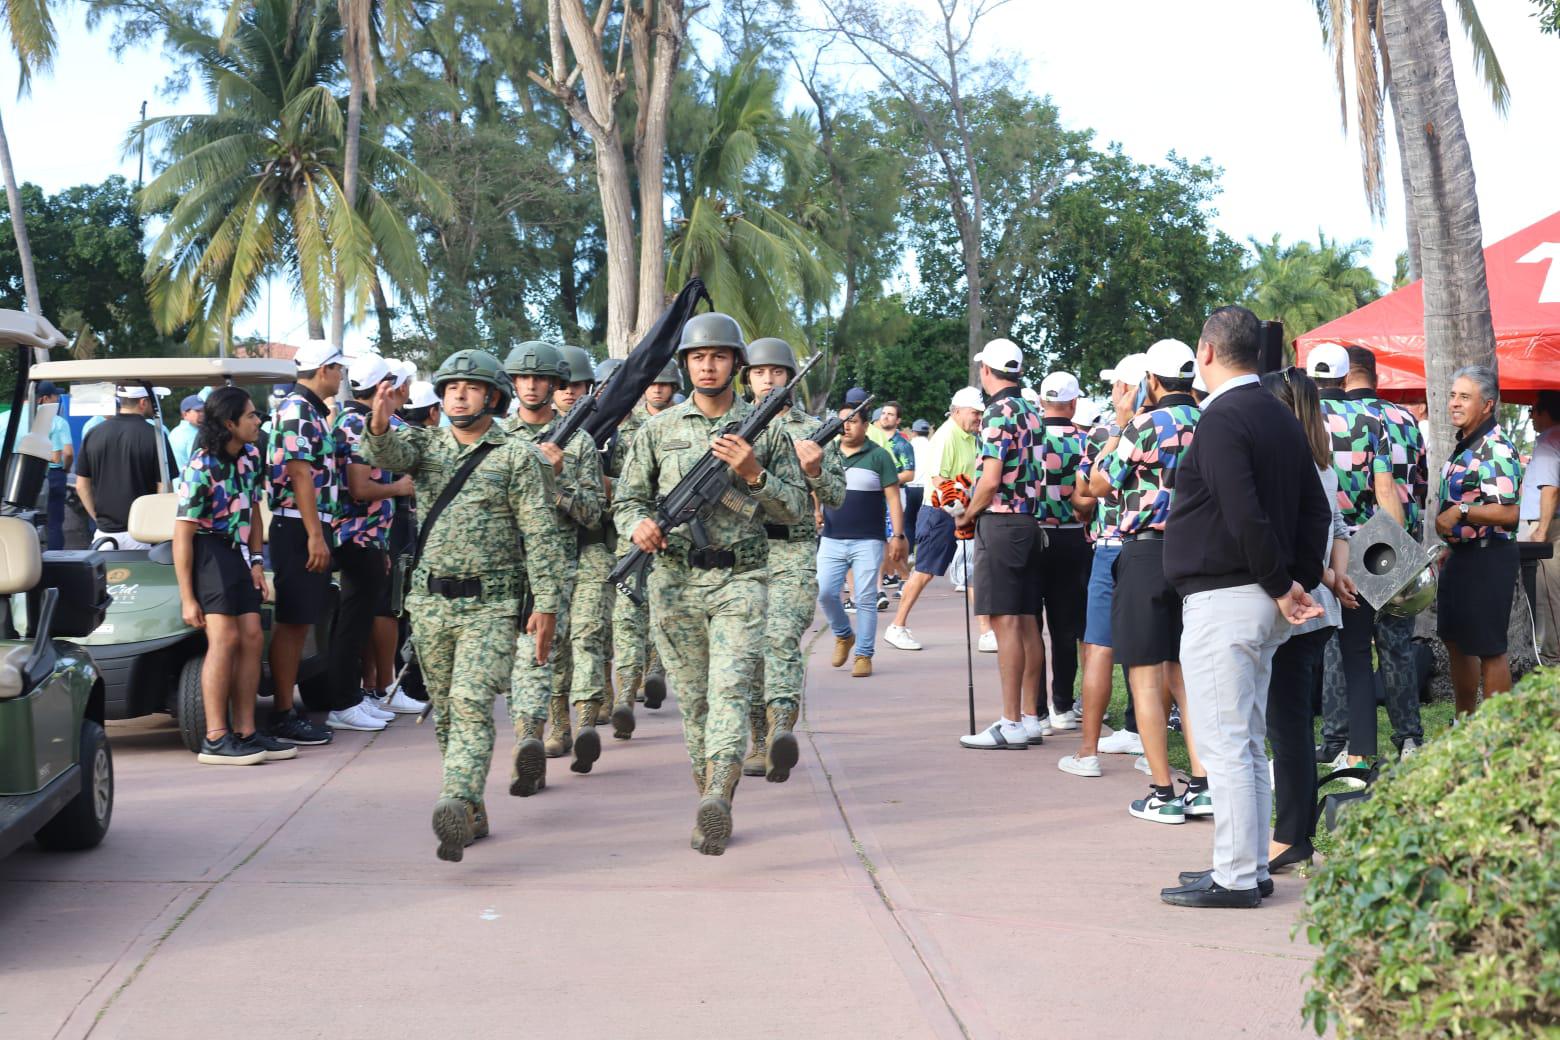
(1485, 62)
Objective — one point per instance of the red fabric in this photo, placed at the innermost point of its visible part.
(1524, 280)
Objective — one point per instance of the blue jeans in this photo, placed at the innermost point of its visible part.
(863, 557)
(56, 508)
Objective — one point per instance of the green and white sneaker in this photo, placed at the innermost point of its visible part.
(1197, 803)
(1158, 810)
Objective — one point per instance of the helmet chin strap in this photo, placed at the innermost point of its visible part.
(467, 421)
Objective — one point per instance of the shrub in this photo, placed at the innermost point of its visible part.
(1439, 915)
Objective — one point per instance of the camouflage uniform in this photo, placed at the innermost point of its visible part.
(708, 624)
(465, 643)
(633, 652)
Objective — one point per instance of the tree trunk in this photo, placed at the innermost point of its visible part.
(617, 224)
(655, 73)
(1445, 205)
(349, 179)
(568, 289)
(384, 313)
(13, 196)
(971, 245)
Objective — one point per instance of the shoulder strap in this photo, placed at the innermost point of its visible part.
(448, 495)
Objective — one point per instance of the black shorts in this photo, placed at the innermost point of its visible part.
(1473, 597)
(301, 595)
(934, 542)
(1007, 564)
(1145, 612)
(224, 584)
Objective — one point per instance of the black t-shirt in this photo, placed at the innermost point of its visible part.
(119, 456)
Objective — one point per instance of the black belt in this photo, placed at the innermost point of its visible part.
(455, 588)
(1150, 535)
(748, 554)
(588, 536)
(790, 533)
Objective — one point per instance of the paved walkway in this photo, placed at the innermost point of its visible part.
(897, 887)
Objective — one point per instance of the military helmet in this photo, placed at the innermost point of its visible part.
(477, 366)
(535, 358)
(713, 330)
(670, 374)
(772, 351)
(606, 368)
(578, 365)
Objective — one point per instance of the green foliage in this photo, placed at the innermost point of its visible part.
(1305, 285)
(1548, 15)
(1440, 913)
(915, 359)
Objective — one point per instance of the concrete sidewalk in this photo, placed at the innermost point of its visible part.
(897, 886)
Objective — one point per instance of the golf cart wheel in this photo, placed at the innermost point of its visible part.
(84, 820)
(189, 709)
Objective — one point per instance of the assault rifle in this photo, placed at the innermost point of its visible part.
(567, 425)
(705, 488)
(834, 424)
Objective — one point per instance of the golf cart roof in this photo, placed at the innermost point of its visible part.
(188, 371)
(21, 329)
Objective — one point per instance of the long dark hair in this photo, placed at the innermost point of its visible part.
(225, 405)
(1298, 391)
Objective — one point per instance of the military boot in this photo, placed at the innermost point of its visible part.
(712, 822)
(754, 763)
(530, 772)
(783, 750)
(622, 712)
(479, 823)
(452, 824)
(587, 743)
(655, 688)
(559, 739)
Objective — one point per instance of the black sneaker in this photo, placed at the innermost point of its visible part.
(882, 601)
(1175, 718)
(295, 728)
(229, 750)
(1325, 753)
(275, 750)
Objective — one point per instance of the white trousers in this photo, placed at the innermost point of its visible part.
(1228, 638)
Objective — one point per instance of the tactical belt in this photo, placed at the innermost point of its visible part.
(455, 588)
(791, 533)
(747, 555)
(592, 537)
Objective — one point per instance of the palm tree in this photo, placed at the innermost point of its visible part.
(255, 187)
(1305, 286)
(32, 41)
(757, 260)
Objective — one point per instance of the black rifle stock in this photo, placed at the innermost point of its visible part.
(834, 425)
(560, 432)
(703, 489)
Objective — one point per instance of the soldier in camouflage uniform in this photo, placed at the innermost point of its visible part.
(793, 573)
(466, 596)
(536, 370)
(633, 650)
(707, 604)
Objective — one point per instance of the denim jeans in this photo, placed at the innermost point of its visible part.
(863, 557)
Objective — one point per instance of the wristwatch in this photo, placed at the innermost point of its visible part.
(1462, 510)
(758, 485)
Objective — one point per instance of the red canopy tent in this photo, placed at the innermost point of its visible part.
(1524, 280)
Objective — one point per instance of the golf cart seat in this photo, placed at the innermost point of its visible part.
(21, 566)
(151, 520)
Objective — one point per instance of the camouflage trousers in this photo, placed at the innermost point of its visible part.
(590, 635)
(465, 664)
(793, 597)
(711, 638)
(531, 684)
(1394, 640)
(633, 651)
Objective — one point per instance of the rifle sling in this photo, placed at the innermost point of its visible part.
(448, 495)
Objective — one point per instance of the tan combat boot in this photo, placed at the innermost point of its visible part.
(452, 825)
(530, 770)
(712, 823)
(587, 742)
(622, 715)
(783, 750)
(559, 739)
(479, 823)
(842, 645)
(655, 687)
(753, 764)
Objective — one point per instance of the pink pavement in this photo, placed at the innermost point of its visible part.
(898, 887)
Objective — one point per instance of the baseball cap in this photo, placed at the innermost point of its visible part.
(423, 395)
(367, 370)
(280, 390)
(1059, 387)
(969, 397)
(192, 403)
(1199, 383)
(1327, 361)
(130, 393)
(404, 371)
(46, 388)
(1130, 370)
(1088, 413)
(854, 396)
(1002, 355)
(317, 353)
(1029, 394)
(877, 413)
(921, 426)
(1171, 359)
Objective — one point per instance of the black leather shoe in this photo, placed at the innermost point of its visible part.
(1264, 888)
(1206, 892)
(1325, 753)
(1291, 857)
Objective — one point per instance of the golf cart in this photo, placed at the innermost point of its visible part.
(56, 771)
(150, 659)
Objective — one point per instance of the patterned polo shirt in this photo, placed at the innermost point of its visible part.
(1107, 510)
(360, 523)
(1484, 469)
(217, 493)
(301, 432)
(1360, 450)
(1010, 432)
(1061, 453)
(1143, 467)
(1410, 460)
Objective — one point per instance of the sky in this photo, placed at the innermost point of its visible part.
(1246, 84)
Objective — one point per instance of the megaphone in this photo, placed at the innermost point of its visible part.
(1393, 573)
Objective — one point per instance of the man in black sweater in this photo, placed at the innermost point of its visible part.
(1246, 538)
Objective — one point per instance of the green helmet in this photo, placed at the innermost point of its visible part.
(606, 368)
(577, 362)
(670, 374)
(535, 358)
(713, 330)
(476, 366)
(772, 351)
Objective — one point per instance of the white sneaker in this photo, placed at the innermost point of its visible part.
(1410, 749)
(1121, 742)
(988, 643)
(1035, 728)
(1141, 765)
(370, 704)
(901, 637)
(1066, 720)
(356, 718)
(398, 703)
(1080, 765)
(998, 737)
(958, 588)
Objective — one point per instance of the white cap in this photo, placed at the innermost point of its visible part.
(1199, 383)
(130, 393)
(1130, 370)
(969, 397)
(1088, 413)
(367, 371)
(1171, 359)
(1002, 355)
(317, 353)
(1327, 361)
(404, 371)
(1059, 388)
(1028, 393)
(423, 395)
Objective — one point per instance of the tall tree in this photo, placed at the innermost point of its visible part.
(31, 31)
(1305, 285)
